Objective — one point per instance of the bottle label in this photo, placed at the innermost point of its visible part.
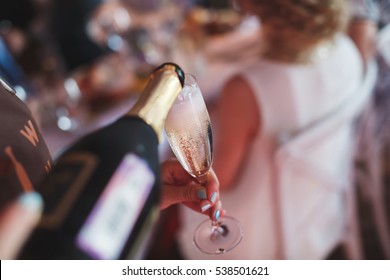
(64, 187)
(112, 219)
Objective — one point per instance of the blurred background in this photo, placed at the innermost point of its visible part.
(80, 64)
(73, 60)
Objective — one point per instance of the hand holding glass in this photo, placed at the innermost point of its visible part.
(189, 134)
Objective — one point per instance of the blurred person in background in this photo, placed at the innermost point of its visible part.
(369, 18)
(307, 68)
(28, 60)
(67, 24)
(15, 21)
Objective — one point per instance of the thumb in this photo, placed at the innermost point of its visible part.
(16, 223)
(177, 194)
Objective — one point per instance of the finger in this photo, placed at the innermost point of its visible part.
(215, 212)
(179, 194)
(17, 222)
(173, 173)
(205, 205)
(195, 206)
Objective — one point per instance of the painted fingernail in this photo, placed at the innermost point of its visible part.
(31, 200)
(217, 214)
(213, 197)
(201, 194)
(205, 207)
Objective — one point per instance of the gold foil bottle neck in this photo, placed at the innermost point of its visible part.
(164, 85)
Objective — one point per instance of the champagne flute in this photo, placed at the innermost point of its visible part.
(188, 130)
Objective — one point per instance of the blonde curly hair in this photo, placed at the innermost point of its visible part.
(300, 24)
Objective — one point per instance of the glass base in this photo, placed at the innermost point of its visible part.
(218, 239)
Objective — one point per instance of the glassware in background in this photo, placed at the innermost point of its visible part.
(107, 24)
(142, 31)
(189, 134)
(69, 113)
(58, 95)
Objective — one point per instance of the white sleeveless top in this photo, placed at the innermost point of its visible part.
(290, 97)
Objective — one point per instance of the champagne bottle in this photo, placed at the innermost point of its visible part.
(102, 195)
